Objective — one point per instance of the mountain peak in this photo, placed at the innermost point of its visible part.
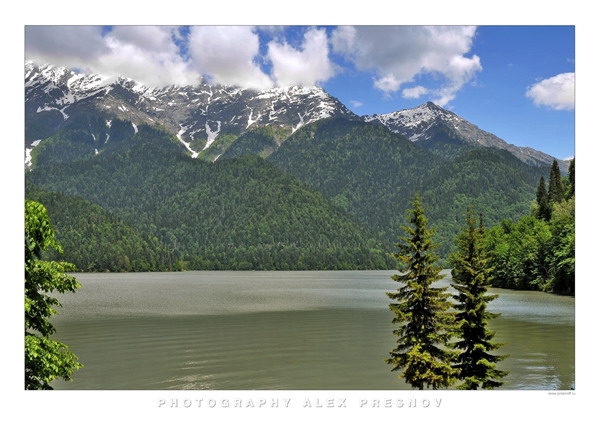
(432, 105)
(197, 114)
(430, 125)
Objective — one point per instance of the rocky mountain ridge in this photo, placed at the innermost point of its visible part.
(207, 118)
(430, 123)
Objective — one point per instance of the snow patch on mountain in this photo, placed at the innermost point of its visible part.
(182, 130)
(61, 110)
(211, 135)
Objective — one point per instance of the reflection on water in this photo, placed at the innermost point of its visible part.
(279, 330)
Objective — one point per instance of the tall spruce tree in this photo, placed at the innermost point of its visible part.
(544, 210)
(571, 179)
(556, 190)
(421, 310)
(475, 365)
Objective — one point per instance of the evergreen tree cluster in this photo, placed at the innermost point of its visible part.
(96, 240)
(438, 347)
(537, 252)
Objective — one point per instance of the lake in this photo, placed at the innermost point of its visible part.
(305, 330)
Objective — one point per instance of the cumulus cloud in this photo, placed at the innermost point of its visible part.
(228, 54)
(398, 55)
(414, 92)
(307, 66)
(146, 54)
(64, 43)
(164, 55)
(556, 92)
(232, 55)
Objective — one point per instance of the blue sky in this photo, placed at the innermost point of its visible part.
(513, 58)
(514, 81)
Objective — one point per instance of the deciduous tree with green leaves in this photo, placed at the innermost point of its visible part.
(421, 310)
(45, 359)
(476, 366)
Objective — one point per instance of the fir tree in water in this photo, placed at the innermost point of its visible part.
(421, 310)
(556, 191)
(475, 365)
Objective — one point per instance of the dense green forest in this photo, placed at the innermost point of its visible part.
(537, 252)
(261, 141)
(330, 196)
(373, 174)
(235, 214)
(83, 139)
(95, 240)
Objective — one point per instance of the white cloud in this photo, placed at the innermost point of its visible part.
(228, 55)
(343, 39)
(356, 103)
(388, 83)
(556, 92)
(146, 37)
(64, 43)
(414, 92)
(146, 54)
(306, 66)
(231, 55)
(398, 55)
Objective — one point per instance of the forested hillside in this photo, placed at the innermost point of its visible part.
(373, 174)
(233, 214)
(95, 240)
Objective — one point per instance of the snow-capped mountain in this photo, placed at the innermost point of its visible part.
(207, 116)
(430, 124)
(196, 114)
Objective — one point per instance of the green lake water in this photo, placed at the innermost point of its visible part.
(308, 330)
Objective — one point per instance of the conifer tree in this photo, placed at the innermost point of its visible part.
(475, 366)
(544, 209)
(571, 179)
(556, 191)
(421, 310)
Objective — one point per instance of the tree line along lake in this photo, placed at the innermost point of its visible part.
(286, 330)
